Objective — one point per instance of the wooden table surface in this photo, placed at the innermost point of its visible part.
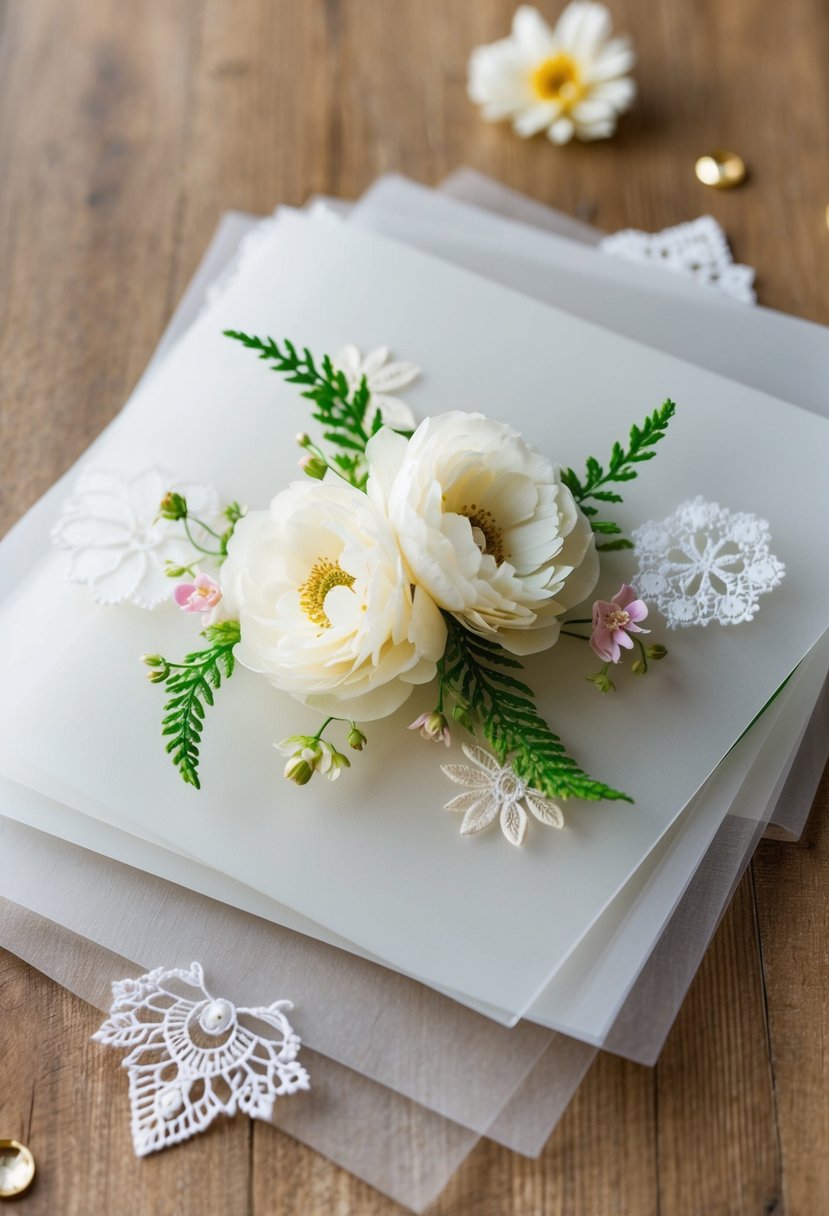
(126, 129)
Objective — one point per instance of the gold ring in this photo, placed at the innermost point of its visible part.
(17, 1168)
(721, 169)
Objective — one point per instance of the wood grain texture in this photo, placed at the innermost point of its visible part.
(125, 131)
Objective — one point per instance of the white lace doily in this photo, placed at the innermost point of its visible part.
(698, 249)
(705, 563)
(193, 1056)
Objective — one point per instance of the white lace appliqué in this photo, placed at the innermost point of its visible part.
(698, 250)
(384, 380)
(117, 543)
(497, 792)
(193, 1057)
(705, 563)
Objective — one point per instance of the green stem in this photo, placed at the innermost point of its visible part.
(327, 722)
(195, 543)
(202, 524)
(644, 654)
(441, 684)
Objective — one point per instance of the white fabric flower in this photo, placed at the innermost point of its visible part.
(486, 526)
(497, 792)
(327, 610)
(118, 546)
(384, 379)
(571, 80)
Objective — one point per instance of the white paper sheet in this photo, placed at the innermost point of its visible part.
(598, 957)
(628, 838)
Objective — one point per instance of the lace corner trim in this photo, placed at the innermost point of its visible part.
(705, 563)
(193, 1056)
(699, 250)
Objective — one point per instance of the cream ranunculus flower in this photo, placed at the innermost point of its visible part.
(326, 607)
(486, 526)
(571, 80)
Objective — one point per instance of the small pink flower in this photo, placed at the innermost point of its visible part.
(202, 595)
(614, 621)
(433, 725)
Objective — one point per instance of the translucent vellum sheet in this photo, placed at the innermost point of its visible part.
(529, 1109)
(409, 1155)
(710, 331)
(584, 955)
(421, 1044)
(360, 848)
(404, 1150)
(536, 1070)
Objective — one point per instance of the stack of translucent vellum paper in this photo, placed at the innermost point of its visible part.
(445, 988)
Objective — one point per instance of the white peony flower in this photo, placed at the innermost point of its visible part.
(486, 526)
(118, 545)
(571, 80)
(383, 379)
(326, 607)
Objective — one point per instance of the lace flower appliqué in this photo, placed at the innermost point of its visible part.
(193, 1057)
(706, 563)
(496, 792)
(384, 379)
(699, 250)
(117, 543)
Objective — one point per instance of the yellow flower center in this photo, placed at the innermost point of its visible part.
(485, 531)
(324, 575)
(558, 79)
(617, 619)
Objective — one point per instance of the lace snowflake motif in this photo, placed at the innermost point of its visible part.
(699, 250)
(497, 792)
(193, 1057)
(705, 563)
(118, 545)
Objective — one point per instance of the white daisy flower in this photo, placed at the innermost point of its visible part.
(571, 80)
(117, 543)
(384, 379)
(496, 791)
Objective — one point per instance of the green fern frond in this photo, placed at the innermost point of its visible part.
(478, 674)
(191, 685)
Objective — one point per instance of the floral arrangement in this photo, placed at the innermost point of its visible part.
(571, 80)
(437, 554)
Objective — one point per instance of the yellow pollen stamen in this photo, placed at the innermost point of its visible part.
(558, 79)
(324, 575)
(617, 619)
(492, 536)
